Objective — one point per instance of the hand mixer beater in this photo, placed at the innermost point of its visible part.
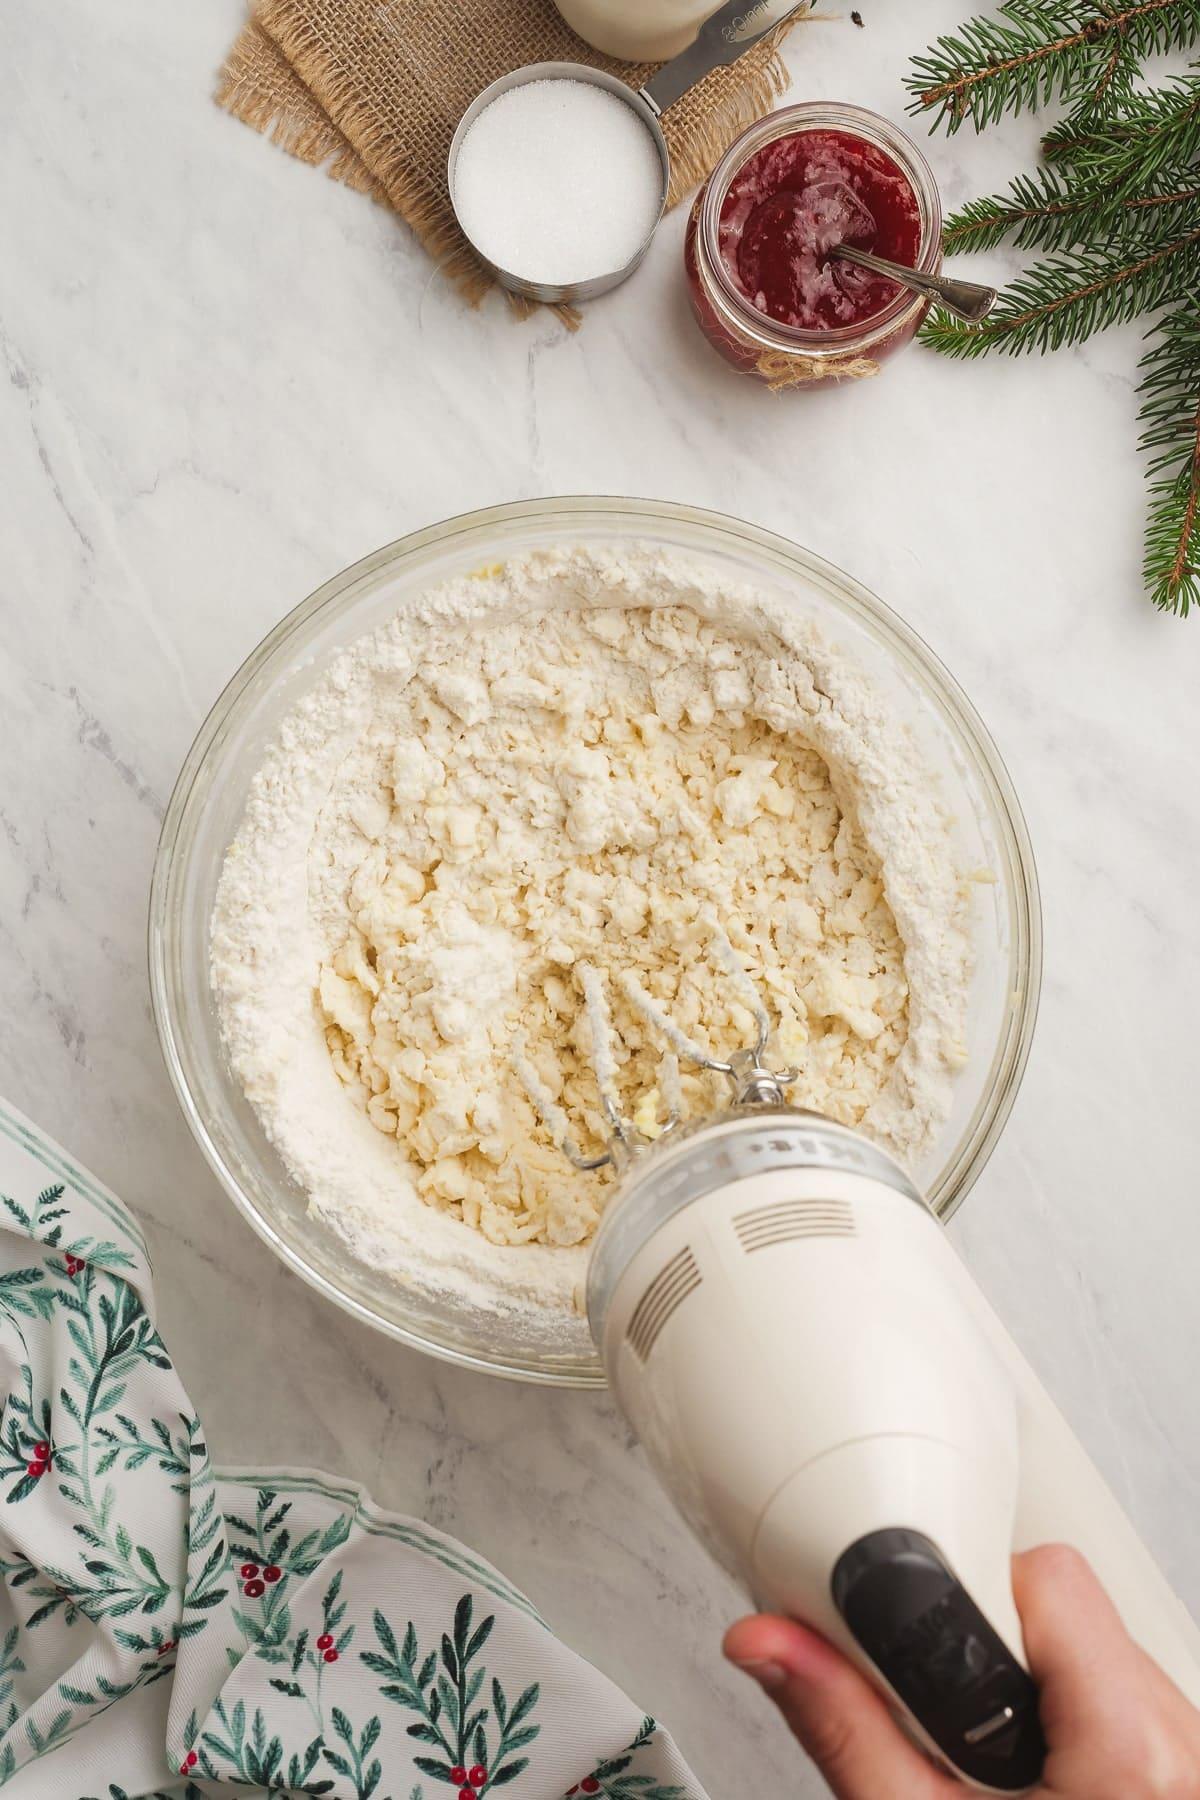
(834, 1407)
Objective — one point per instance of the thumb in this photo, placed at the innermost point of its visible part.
(837, 1715)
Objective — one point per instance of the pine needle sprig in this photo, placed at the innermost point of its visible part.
(1038, 211)
(1031, 52)
(1149, 137)
(1170, 417)
(1077, 139)
(1048, 211)
(993, 66)
(1068, 297)
(1115, 212)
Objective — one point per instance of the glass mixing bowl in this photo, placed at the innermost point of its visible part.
(206, 809)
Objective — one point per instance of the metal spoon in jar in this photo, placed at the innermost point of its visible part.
(967, 300)
(847, 216)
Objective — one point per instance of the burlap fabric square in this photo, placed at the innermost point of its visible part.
(373, 89)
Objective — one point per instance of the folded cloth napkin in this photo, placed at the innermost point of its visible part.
(170, 1629)
(375, 88)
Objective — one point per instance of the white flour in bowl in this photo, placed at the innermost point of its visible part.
(582, 758)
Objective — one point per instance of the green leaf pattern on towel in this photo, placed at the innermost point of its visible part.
(629, 1776)
(271, 1635)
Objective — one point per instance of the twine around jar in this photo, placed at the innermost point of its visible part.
(780, 370)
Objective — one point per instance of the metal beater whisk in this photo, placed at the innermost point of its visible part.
(753, 1083)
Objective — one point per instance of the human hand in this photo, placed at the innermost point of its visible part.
(1116, 1727)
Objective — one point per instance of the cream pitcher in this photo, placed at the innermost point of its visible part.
(639, 30)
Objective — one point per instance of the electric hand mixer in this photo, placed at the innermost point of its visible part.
(834, 1407)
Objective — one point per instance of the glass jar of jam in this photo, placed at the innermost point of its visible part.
(764, 288)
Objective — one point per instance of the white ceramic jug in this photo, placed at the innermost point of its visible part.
(637, 30)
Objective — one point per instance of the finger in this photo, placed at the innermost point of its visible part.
(1081, 1656)
(1078, 1648)
(1106, 1707)
(834, 1711)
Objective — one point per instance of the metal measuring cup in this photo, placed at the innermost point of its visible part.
(723, 38)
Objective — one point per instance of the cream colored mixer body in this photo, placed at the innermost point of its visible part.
(841, 1417)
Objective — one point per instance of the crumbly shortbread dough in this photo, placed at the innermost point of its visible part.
(589, 788)
(581, 758)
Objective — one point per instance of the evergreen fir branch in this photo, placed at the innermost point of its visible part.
(1053, 211)
(1032, 52)
(1068, 297)
(1170, 416)
(1151, 139)
(993, 66)
(1168, 124)
(1075, 142)
(1034, 205)
(1114, 77)
(1117, 209)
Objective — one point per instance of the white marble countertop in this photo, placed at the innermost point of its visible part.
(227, 377)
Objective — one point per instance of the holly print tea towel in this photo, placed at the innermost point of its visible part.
(168, 1629)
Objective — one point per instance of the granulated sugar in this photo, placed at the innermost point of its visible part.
(558, 182)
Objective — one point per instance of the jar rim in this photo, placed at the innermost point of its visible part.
(787, 121)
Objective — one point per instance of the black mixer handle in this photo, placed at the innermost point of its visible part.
(940, 1656)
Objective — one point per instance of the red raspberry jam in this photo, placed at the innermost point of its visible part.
(792, 203)
(764, 289)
